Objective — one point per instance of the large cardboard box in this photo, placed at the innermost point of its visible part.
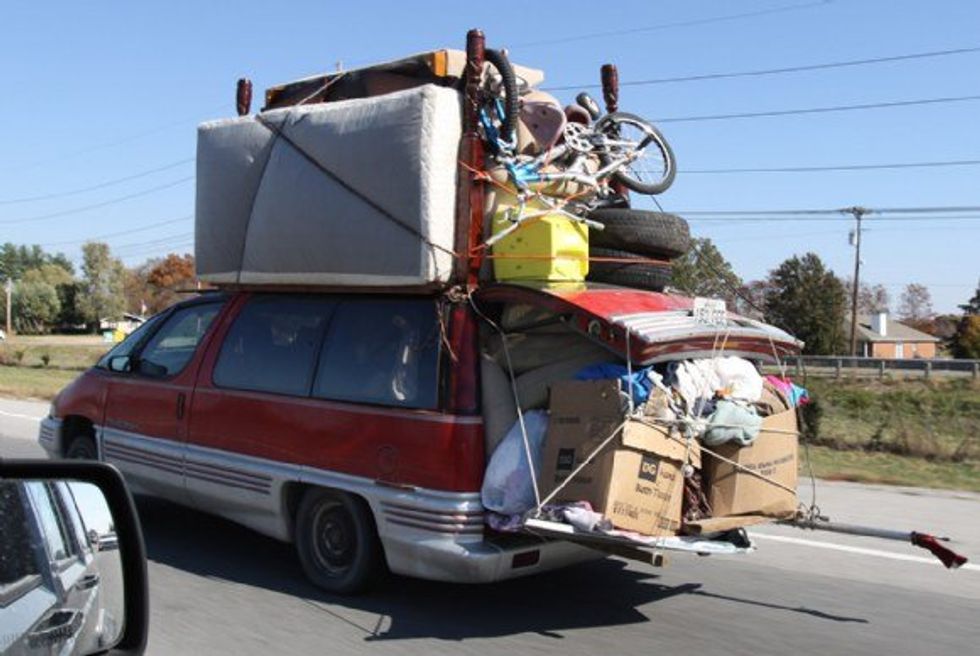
(733, 491)
(635, 481)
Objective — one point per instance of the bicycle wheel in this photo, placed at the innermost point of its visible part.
(508, 122)
(649, 167)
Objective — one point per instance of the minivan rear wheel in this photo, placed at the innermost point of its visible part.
(337, 542)
(82, 447)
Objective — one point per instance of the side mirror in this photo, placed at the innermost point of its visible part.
(74, 563)
(120, 363)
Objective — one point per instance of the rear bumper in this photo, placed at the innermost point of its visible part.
(49, 437)
(444, 559)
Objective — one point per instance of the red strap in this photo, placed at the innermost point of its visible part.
(949, 558)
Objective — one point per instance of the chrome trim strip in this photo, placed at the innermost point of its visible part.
(474, 513)
(144, 463)
(455, 519)
(433, 529)
(227, 472)
(432, 521)
(227, 483)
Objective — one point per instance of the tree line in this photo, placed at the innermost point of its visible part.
(48, 294)
(803, 296)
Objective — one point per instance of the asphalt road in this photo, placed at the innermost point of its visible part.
(217, 588)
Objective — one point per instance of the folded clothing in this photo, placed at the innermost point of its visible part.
(732, 422)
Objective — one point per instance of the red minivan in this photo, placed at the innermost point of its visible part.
(353, 424)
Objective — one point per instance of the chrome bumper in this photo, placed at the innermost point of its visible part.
(444, 559)
(49, 437)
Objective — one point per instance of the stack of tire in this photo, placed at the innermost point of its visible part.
(636, 247)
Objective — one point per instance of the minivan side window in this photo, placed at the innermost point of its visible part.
(272, 345)
(171, 348)
(114, 359)
(382, 351)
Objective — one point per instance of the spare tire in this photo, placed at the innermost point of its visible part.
(641, 275)
(655, 234)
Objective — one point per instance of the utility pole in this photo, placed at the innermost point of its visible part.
(858, 213)
(9, 288)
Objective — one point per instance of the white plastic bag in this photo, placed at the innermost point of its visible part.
(508, 486)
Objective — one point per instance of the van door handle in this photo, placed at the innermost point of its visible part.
(59, 626)
(180, 405)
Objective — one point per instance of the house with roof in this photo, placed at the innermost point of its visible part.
(879, 336)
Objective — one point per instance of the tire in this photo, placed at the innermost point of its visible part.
(509, 83)
(82, 447)
(652, 277)
(656, 234)
(337, 542)
(657, 153)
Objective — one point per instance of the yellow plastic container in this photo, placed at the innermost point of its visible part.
(549, 248)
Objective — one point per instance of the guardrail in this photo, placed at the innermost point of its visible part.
(838, 366)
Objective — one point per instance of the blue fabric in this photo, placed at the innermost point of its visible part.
(798, 395)
(639, 383)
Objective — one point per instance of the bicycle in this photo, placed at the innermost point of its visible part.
(621, 141)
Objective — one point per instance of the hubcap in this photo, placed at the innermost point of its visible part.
(334, 539)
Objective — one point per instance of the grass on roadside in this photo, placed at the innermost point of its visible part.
(72, 352)
(34, 382)
(890, 469)
(936, 420)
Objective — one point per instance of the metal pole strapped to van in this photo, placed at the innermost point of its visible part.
(946, 556)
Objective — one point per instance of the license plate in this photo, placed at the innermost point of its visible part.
(710, 311)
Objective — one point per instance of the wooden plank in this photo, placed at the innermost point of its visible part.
(721, 524)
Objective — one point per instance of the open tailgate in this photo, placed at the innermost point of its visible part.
(660, 327)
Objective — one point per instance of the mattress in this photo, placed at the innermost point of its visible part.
(352, 193)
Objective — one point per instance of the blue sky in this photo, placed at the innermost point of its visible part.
(99, 91)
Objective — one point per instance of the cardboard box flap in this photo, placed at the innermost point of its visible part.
(596, 399)
(660, 441)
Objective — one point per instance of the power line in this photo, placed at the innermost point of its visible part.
(663, 26)
(834, 212)
(86, 208)
(101, 185)
(125, 139)
(774, 71)
(839, 167)
(156, 248)
(158, 241)
(149, 226)
(818, 110)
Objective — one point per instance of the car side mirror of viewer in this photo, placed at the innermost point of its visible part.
(72, 560)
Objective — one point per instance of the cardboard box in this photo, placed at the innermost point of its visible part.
(635, 481)
(773, 454)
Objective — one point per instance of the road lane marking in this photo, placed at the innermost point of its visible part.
(17, 415)
(864, 551)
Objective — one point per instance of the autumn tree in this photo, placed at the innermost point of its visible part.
(101, 288)
(915, 305)
(806, 298)
(166, 277)
(704, 271)
(871, 298)
(35, 306)
(973, 305)
(965, 343)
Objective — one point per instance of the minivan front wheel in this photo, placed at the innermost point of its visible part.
(336, 541)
